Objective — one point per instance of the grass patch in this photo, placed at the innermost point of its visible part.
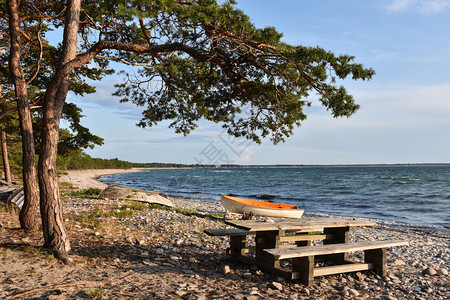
(9, 208)
(174, 209)
(93, 219)
(66, 185)
(95, 293)
(135, 205)
(87, 192)
(217, 215)
(187, 212)
(36, 252)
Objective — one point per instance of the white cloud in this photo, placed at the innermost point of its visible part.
(420, 6)
(398, 5)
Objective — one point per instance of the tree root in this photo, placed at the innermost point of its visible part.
(64, 257)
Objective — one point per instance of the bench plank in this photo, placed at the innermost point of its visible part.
(305, 237)
(284, 253)
(352, 267)
(227, 232)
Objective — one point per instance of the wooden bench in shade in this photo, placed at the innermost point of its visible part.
(303, 258)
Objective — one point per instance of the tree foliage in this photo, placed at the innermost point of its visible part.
(218, 66)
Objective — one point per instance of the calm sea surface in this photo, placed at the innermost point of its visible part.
(409, 196)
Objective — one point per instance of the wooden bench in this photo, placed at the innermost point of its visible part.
(13, 195)
(303, 258)
(238, 239)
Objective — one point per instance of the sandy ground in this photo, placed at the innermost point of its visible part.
(85, 179)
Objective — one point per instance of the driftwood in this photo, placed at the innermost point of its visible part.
(53, 287)
(120, 192)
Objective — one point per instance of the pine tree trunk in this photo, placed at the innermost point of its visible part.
(28, 211)
(5, 156)
(55, 235)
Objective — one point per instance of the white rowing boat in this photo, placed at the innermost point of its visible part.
(261, 208)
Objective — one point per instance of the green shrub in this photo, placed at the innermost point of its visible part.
(87, 192)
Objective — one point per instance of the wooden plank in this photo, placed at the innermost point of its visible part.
(227, 232)
(354, 267)
(20, 202)
(284, 253)
(17, 197)
(305, 237)
(303, 224)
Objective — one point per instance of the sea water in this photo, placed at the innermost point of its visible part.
(412, 196)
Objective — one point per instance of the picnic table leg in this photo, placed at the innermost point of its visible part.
(378, 258)
(238, 245)
(303, 270)
(340, 235)
(267, 240)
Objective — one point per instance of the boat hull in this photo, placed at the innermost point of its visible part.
(260, 208)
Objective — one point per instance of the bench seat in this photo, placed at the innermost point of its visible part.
(285, 253)
(303, 258)
(227, 232)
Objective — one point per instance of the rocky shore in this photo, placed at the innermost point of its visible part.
(124, 250)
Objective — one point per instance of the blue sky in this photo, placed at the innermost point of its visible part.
(405, 110)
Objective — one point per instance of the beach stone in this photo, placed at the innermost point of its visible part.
(399, 262)
(429, 271)
(277, 285)
(442, 271)
(159, 251)
(193, 260)
(305, 291)
(360, 276)
(225, 269)
(353, 292)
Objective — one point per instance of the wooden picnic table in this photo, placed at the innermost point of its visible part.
(304, 224)
(272, 235)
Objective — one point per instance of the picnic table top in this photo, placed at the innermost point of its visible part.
(302, 224)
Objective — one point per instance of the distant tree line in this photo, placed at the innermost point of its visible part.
(84, 161)
(169, 165)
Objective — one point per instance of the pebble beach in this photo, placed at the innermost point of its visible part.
(164, 254)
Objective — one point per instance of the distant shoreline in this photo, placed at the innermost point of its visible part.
(187, 166)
